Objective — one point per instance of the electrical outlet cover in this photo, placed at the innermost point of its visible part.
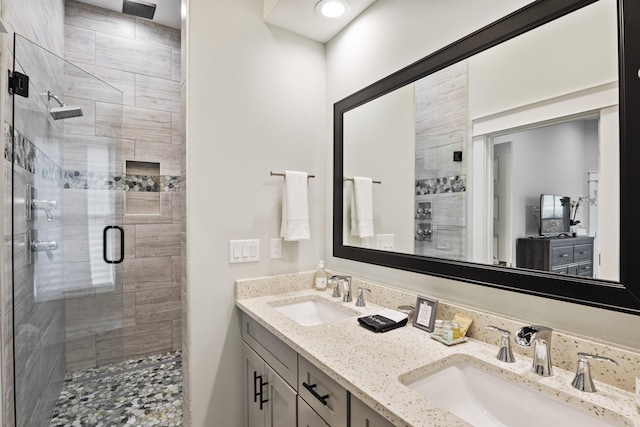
(276, 248)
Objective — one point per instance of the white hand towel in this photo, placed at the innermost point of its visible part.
(362, 207)
(295, 207)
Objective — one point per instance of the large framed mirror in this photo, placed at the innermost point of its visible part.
(506, 159)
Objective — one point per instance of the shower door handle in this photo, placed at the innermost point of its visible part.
(104, 244)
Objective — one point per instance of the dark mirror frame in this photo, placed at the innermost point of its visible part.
(621, 296)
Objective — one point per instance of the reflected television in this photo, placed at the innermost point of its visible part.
(555, 214)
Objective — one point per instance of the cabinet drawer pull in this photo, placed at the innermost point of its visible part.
(322, 399)
(563, 255)
(257, 391)
(262, 401)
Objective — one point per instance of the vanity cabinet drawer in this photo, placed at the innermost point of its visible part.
(282, 358)
(561, 255)
(325, 396)
(582, 253)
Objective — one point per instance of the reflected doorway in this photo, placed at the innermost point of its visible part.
(557, 159)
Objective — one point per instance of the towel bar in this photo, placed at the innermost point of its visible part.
(351, 179)
(282, 174)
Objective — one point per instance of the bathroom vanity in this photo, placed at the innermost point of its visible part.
(278, 380)
(330, 371)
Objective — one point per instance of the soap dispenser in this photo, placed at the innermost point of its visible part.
(320, 279)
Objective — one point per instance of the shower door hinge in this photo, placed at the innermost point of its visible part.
(18, 84)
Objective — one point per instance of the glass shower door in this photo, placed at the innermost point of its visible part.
(68, 240)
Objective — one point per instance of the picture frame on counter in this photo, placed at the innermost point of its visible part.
(425, 313)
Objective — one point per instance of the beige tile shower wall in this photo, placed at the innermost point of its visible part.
(437, 137)
(142, 59)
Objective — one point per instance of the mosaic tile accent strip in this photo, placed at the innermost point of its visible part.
(139, 183)
(30, 158)
(8, 137)
(139, 392)
(90, 180)
(447, 184)
(171, 183)
(164, 183)
(142, 183)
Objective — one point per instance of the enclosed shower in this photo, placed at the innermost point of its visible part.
(78, 357)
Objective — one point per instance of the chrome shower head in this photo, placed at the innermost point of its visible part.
(63, 111)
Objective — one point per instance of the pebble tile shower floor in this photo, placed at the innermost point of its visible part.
(139, 392)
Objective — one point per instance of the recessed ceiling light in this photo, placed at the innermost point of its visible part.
(332, 8)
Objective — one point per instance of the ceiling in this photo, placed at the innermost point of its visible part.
(167, 11)
(299, 16)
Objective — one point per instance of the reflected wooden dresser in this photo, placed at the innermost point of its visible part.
(568, 255)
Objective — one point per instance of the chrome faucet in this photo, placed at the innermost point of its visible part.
(346, 288)
(504, 354)
(336, 280)
(582, 381)
(360, 300)
(540, 337)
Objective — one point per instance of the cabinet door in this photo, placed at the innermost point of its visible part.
(254, 377)
(281, 405)
(307, 416)
(363, 416)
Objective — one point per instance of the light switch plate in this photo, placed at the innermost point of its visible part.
(244, 251)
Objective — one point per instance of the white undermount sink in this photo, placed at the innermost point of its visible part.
(483, 399)
(313, 311)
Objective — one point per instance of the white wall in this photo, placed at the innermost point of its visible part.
(564, 56)
(388, 36)
(255, 103)
(381, 141)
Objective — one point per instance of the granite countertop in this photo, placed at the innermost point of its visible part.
(370, 365)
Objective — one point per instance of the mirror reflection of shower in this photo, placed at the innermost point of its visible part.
(62, 111)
